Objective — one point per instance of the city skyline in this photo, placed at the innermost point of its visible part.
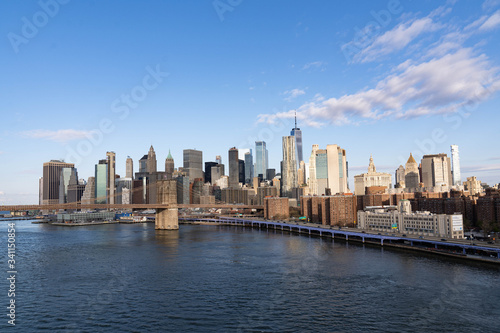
(341, 84)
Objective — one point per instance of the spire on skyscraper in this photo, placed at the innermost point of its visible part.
(297, 133)
(169, 166)
(411, 159)
(151, 160)
(371, 166)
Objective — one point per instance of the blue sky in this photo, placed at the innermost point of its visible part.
(376, 77)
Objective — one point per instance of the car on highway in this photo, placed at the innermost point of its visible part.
(443, 239)
(421, 237)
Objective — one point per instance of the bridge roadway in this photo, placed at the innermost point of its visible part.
(117, 206)
(427, 245)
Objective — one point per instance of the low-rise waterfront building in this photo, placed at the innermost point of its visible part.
(86, 217)
(401, 219)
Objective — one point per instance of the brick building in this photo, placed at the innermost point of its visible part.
(235, 196)
(330, 210)
(276, 208)
(266, 191)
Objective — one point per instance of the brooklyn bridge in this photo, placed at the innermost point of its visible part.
(166, 206)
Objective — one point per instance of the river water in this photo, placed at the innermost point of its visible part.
(131, 278)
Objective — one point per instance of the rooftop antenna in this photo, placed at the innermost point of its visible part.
(295, 118)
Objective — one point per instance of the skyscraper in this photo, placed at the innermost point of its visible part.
(233, 168)
(218, 159)
(321, 166)
(193, 163)
(412, 174)
(400, 176)
(337, 169)
(261, 162)
(217, 171)
(169, 166)
(123, 190)
(66, 174)
(302, 173)
(75, 189)
(270, 174)
(248, 167)
(143, 165)
(208, 171)
(52, 179)
(297, 133)
(129, 168)
(455, 160)
(88, 197)
(289, 166)
(436, 170)
(101, 182)
(151, 162)
(40, 191)
(111, 161)
(241, 171)
(182, 189)
(313, 183)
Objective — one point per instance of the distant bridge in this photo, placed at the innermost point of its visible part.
(166, 208)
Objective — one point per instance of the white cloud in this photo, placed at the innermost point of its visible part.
(484, 23)
(481, 168)
(62, 136)
(291, 94)
(2, 193)
(441, 11)
(490, 4)
(315, 65)
(443, 48)
(437, 86)
(476, 23)
(440, 77)
(396, 39)
(492, 22)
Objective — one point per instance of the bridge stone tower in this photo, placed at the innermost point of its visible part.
(167, 218)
